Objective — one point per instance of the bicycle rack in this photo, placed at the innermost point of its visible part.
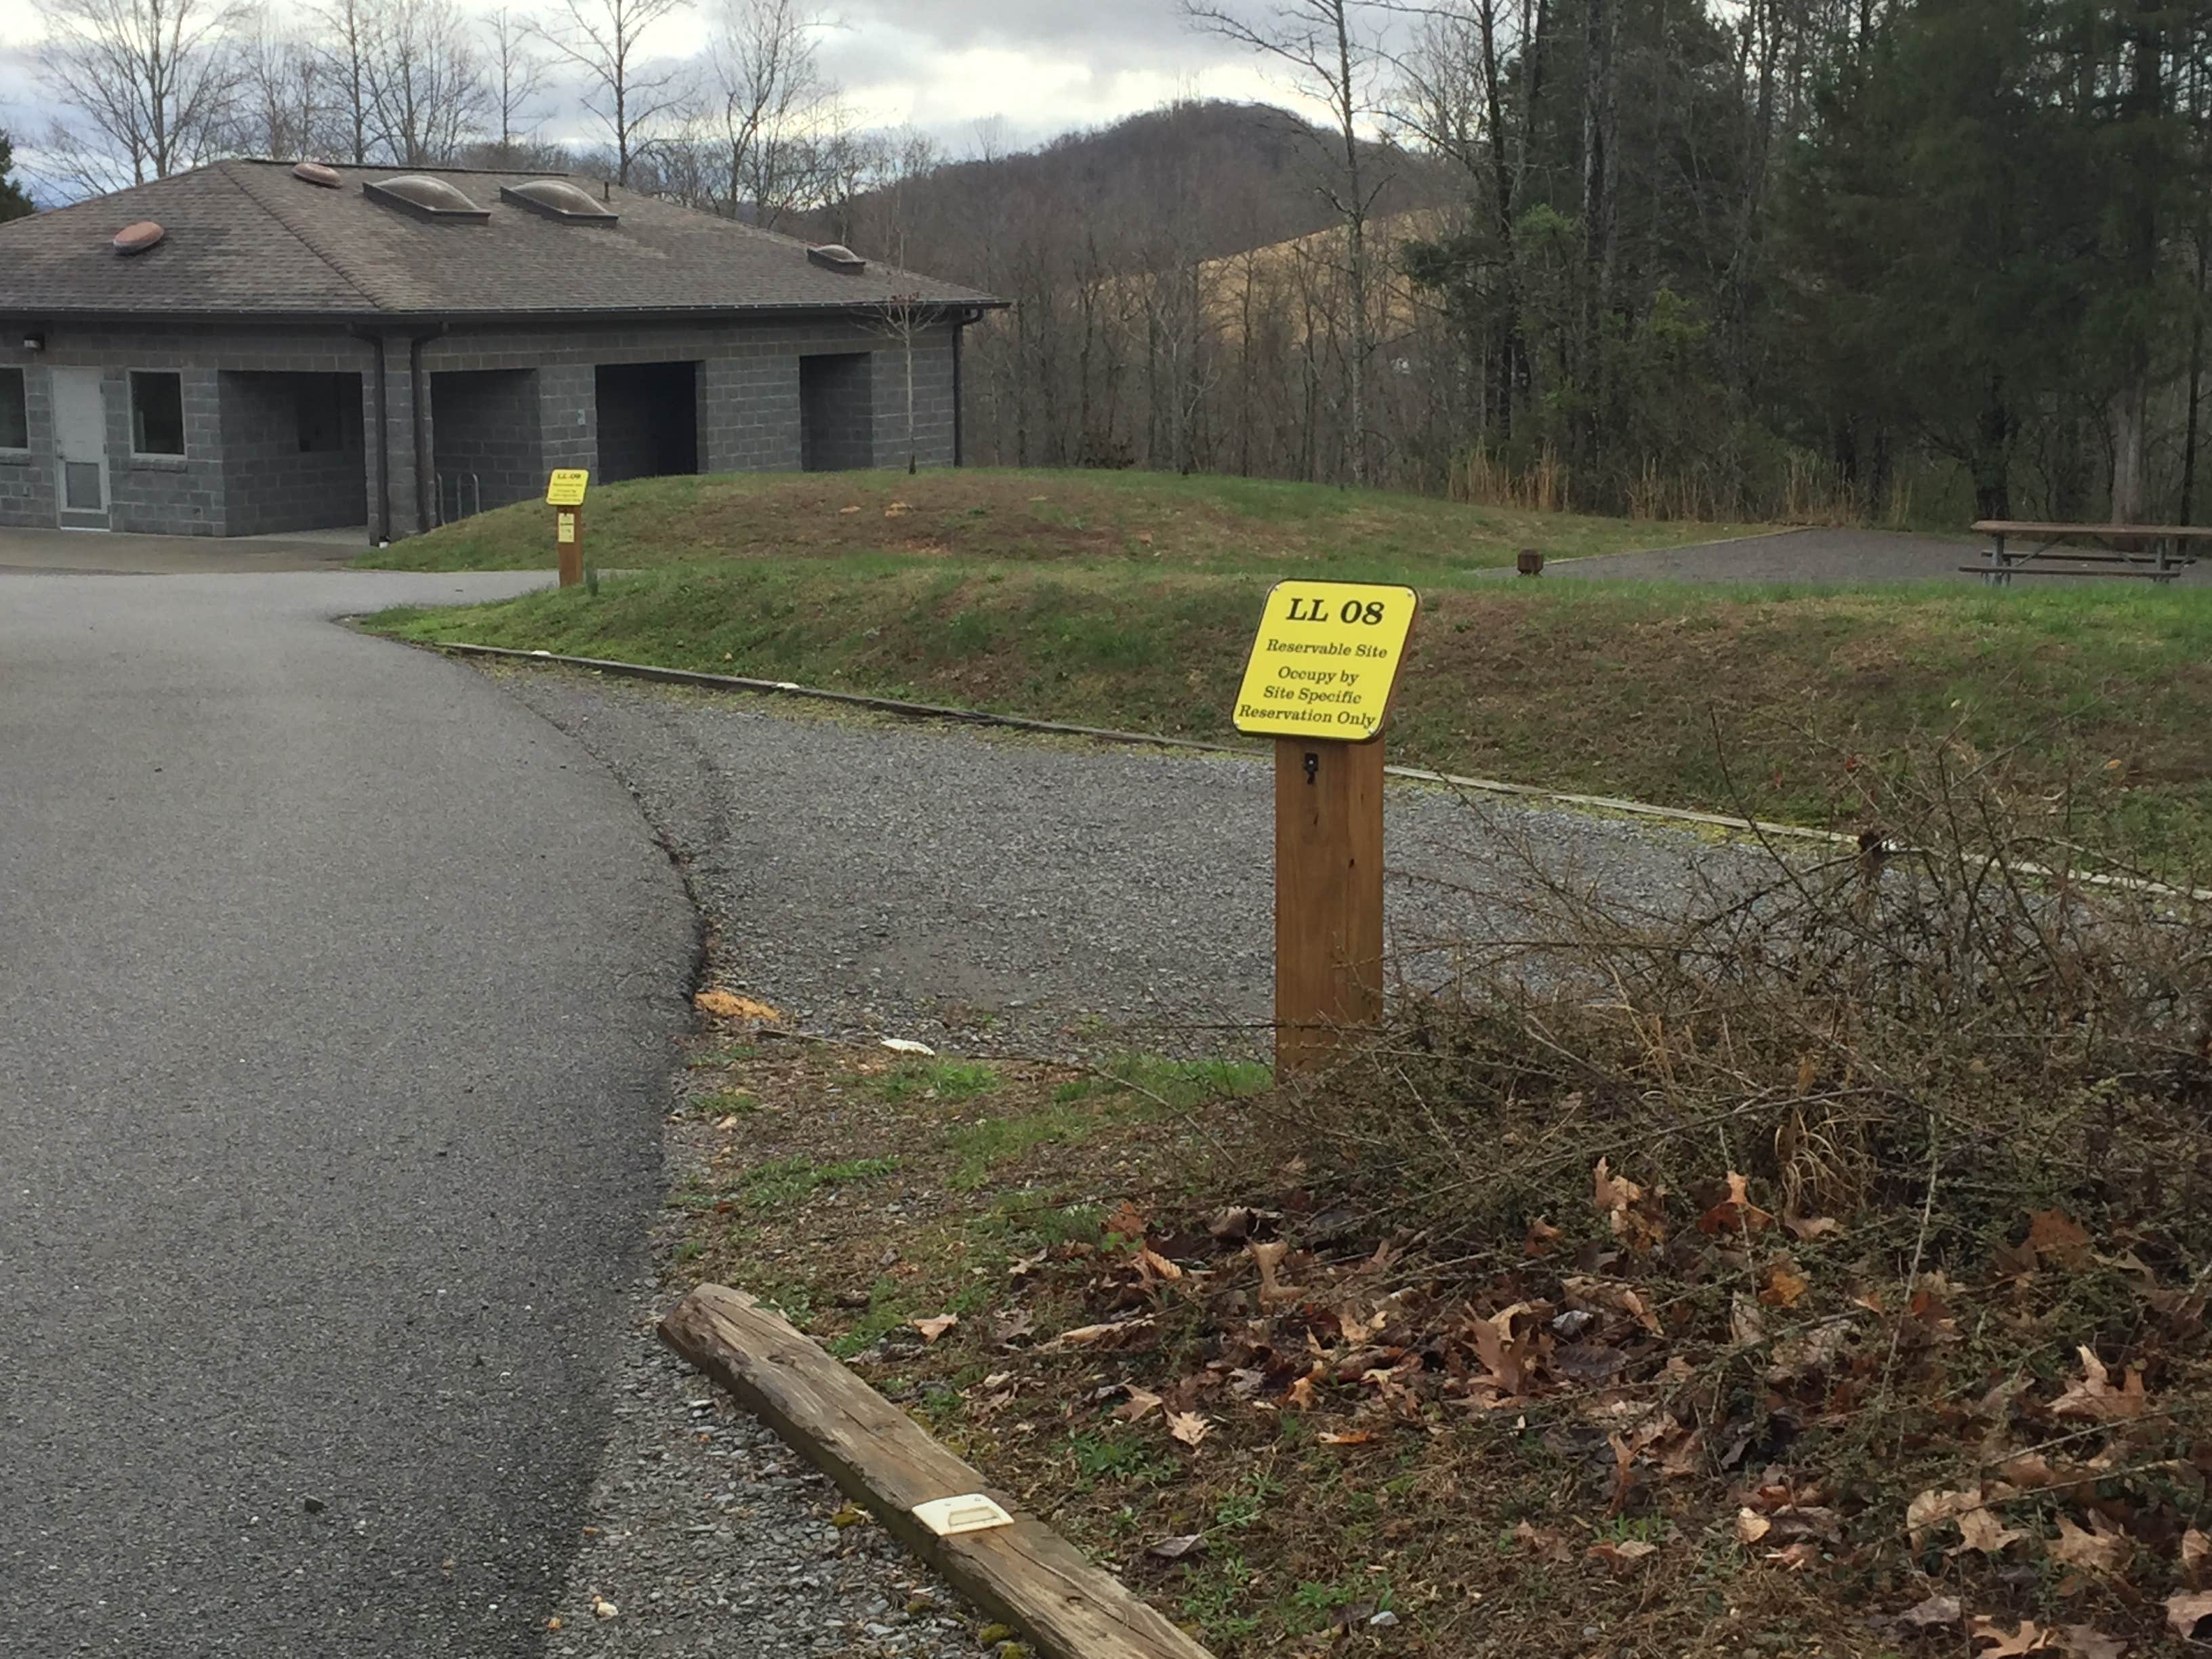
(467, 496)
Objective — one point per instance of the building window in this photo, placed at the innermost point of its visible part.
(157, 413)
(15, 417)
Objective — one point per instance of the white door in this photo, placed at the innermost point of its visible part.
(80, 448)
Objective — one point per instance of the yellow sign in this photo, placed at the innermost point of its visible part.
(1326, 659)
(566, 487)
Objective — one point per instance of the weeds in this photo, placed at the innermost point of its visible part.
(786, 1181)
(941, 1079)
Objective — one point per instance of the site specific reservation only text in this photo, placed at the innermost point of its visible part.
(1326, 661)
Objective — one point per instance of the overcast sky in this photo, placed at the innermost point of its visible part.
(1040, 67)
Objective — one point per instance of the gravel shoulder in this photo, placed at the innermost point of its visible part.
(984, 894)
(999, 892)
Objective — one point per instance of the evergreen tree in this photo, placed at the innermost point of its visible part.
(14, 202)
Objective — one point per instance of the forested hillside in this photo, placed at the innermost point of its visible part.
(1902, 262)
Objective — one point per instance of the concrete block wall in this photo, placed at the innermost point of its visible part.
(567, 417)
(269, 482)
(484, 424)
(746, 394)
(747, 391)
(933, 401)
(26, 476)
(187, 497)
(748, 413)
(176, 496)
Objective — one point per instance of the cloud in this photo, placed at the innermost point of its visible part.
(1040, 67)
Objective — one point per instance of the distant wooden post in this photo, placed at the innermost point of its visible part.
(1322, 671)
(568, 542)
(564, 494)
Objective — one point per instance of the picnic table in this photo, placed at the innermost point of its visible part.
(2154, 552)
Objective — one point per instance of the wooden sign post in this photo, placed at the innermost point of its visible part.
(1319, 679)
(564, 494)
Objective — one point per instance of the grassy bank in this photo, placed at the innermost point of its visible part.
(1132, 520)
(1770, 701)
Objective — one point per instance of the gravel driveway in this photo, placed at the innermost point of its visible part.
(980, 892)
(1001, 892)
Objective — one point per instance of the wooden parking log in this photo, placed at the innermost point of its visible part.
(564, 494)
(1013, 1566)
(1320, 680)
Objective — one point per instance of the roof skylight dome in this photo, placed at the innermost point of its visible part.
(835, 256)
(557, 198)
(424, 197)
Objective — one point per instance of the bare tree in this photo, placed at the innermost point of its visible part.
(425, 82)
(150, 87)
(514, 79)
(281, 106)
(1452, 98)
(346, 41)
(603, 39)
(1330, 48)
(904, 318)
(780, 113)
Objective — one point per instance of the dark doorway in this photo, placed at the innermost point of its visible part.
(648, 420)
(836, 413)
(294, 456)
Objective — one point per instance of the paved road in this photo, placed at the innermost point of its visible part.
(46, 551)
(337, 990)
(1827, 557)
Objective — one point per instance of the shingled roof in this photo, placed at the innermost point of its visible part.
(248, 239)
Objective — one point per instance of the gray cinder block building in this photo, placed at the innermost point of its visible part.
(258, 347)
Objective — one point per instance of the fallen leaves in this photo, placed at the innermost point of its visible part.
(1113, 1333)
(1936, 1613)
(1174, 1549)
(1781, 1285)
(1188, 1427)
(2052, 1235)
(1736, 1213)
(2094, 1397)
(2195, 1551)
(1932, 1508)
(2029, 1638)
(1979, 1529)
(1636, 1217)
(2105, 1549)
(1268, 1258)
(1140, 1402)
(2185, 1611)
(728, 1005)
(1543, 1543)
(1622, 1556)
(1507, 1358)
(933, 1328)
(2080, 1641)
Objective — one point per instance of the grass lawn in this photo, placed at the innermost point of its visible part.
(1131, 522)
